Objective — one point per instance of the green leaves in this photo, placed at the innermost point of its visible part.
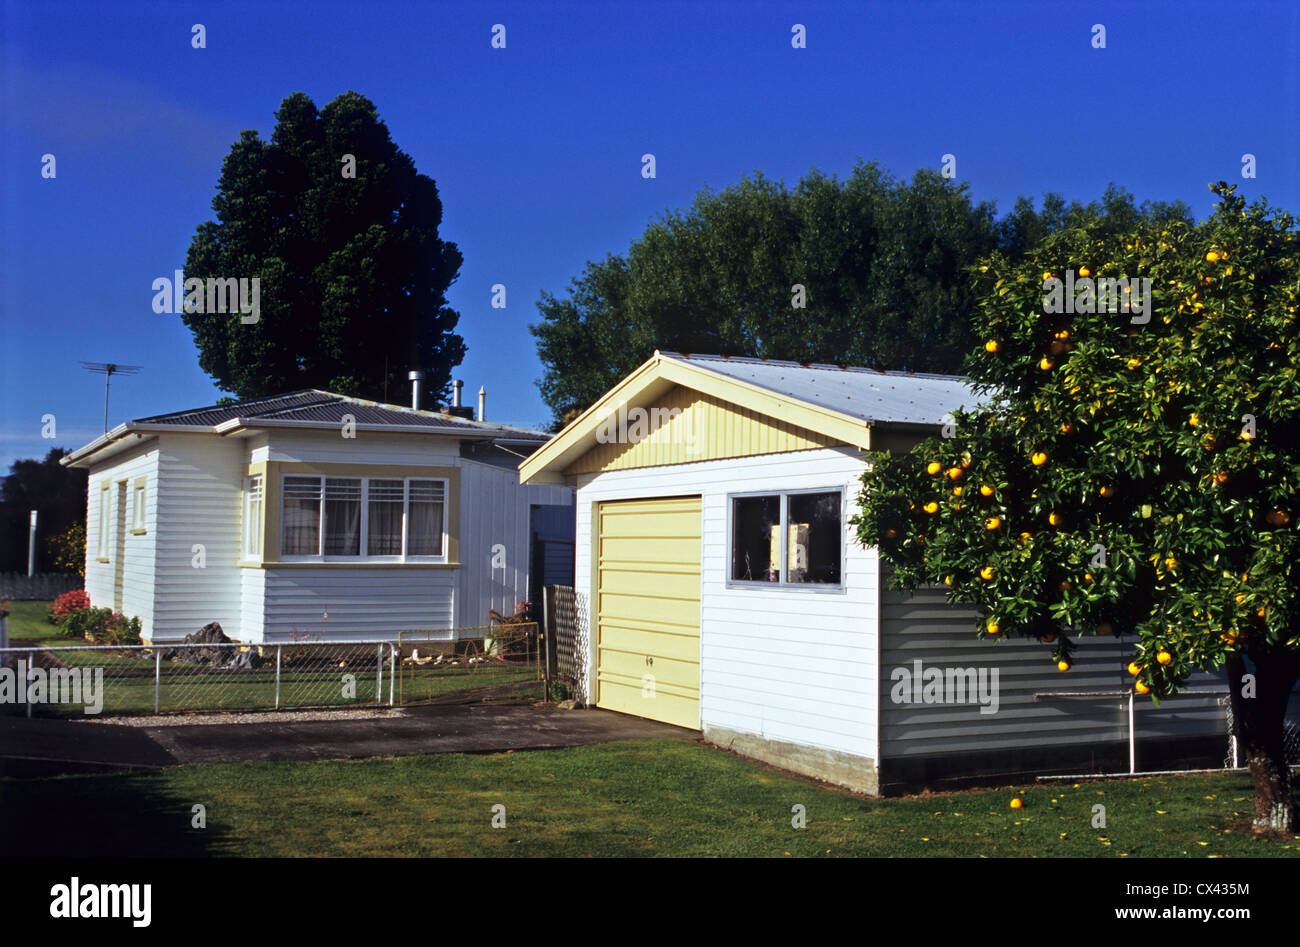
(1149, 453)
(352, 271)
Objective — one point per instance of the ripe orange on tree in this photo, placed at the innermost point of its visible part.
(986, 490)
(933, 468)
(991, 346)
(1063, 665)
(1038, 458)
(1164, 657)
(986, 573)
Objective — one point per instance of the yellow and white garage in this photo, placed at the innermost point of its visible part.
(721, 587)
(648, 609)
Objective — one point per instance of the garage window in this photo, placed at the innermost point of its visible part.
(788, 538)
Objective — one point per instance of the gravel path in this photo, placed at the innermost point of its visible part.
(262, 717)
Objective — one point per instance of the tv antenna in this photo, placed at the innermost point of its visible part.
(108, 370)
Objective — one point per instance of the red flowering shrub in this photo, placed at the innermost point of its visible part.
(67, 603)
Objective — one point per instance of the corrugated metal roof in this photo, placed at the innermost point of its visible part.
(212, 415)
(324, 407)
(864, 393)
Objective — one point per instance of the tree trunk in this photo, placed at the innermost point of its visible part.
(1260, 721)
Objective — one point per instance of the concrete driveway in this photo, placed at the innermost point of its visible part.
(41, 747)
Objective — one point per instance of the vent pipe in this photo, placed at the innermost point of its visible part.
(456, 386)
(415, 378)
(482, 403)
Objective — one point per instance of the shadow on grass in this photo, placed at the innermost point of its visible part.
(118, 815)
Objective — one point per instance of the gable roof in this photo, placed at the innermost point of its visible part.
(840, 402)
(308, 409)
(863, 393)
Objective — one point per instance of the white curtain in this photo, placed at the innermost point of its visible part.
(342, 516)
(384, 528)
(301, 516)
(425, 504)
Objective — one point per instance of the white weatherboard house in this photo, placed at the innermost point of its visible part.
(310, 515)
(696, 612)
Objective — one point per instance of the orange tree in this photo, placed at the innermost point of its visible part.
(1128, 472)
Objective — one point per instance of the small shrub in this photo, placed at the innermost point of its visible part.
(90, 623)
(67, 603)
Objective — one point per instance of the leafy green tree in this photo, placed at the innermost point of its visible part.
(881, 264)
(1128, 476)
(68, 549)
(57, 493)
(353, 274)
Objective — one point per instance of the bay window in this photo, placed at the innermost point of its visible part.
(362, 518)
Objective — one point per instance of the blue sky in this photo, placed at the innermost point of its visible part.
(536, 148)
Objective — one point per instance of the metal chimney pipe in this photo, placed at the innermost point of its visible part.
(482, 403)
(456, 386)
(415, 379)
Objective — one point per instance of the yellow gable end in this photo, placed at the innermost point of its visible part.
(686, 426)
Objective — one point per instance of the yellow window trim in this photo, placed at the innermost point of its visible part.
(137, 483)
(274, 471)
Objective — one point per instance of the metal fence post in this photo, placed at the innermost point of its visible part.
(27, 693)
(1132, 737)
(278, 649)
(157, 679)
(392, 671)
(379, 673)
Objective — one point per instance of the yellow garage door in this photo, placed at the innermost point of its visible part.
(648, 614)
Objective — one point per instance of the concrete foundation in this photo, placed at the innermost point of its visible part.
(842, 769)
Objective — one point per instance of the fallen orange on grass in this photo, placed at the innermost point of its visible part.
(1016, 803)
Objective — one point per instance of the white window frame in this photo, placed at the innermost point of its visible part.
(783, 505)
(365, 521)
(254, 491)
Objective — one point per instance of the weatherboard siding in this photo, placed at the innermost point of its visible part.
(686, 426)
(495, 511)
(138, 549)
(794, 665)
(307, 604)
(925, 627)
(200, 488)
(368, 447)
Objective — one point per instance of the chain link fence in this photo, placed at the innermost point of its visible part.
(1235, 758)
(502, 658)
(87, 679)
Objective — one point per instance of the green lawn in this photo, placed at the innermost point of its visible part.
(626, 799)
(29, 622)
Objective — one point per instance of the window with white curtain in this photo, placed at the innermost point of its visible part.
(374, 518)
